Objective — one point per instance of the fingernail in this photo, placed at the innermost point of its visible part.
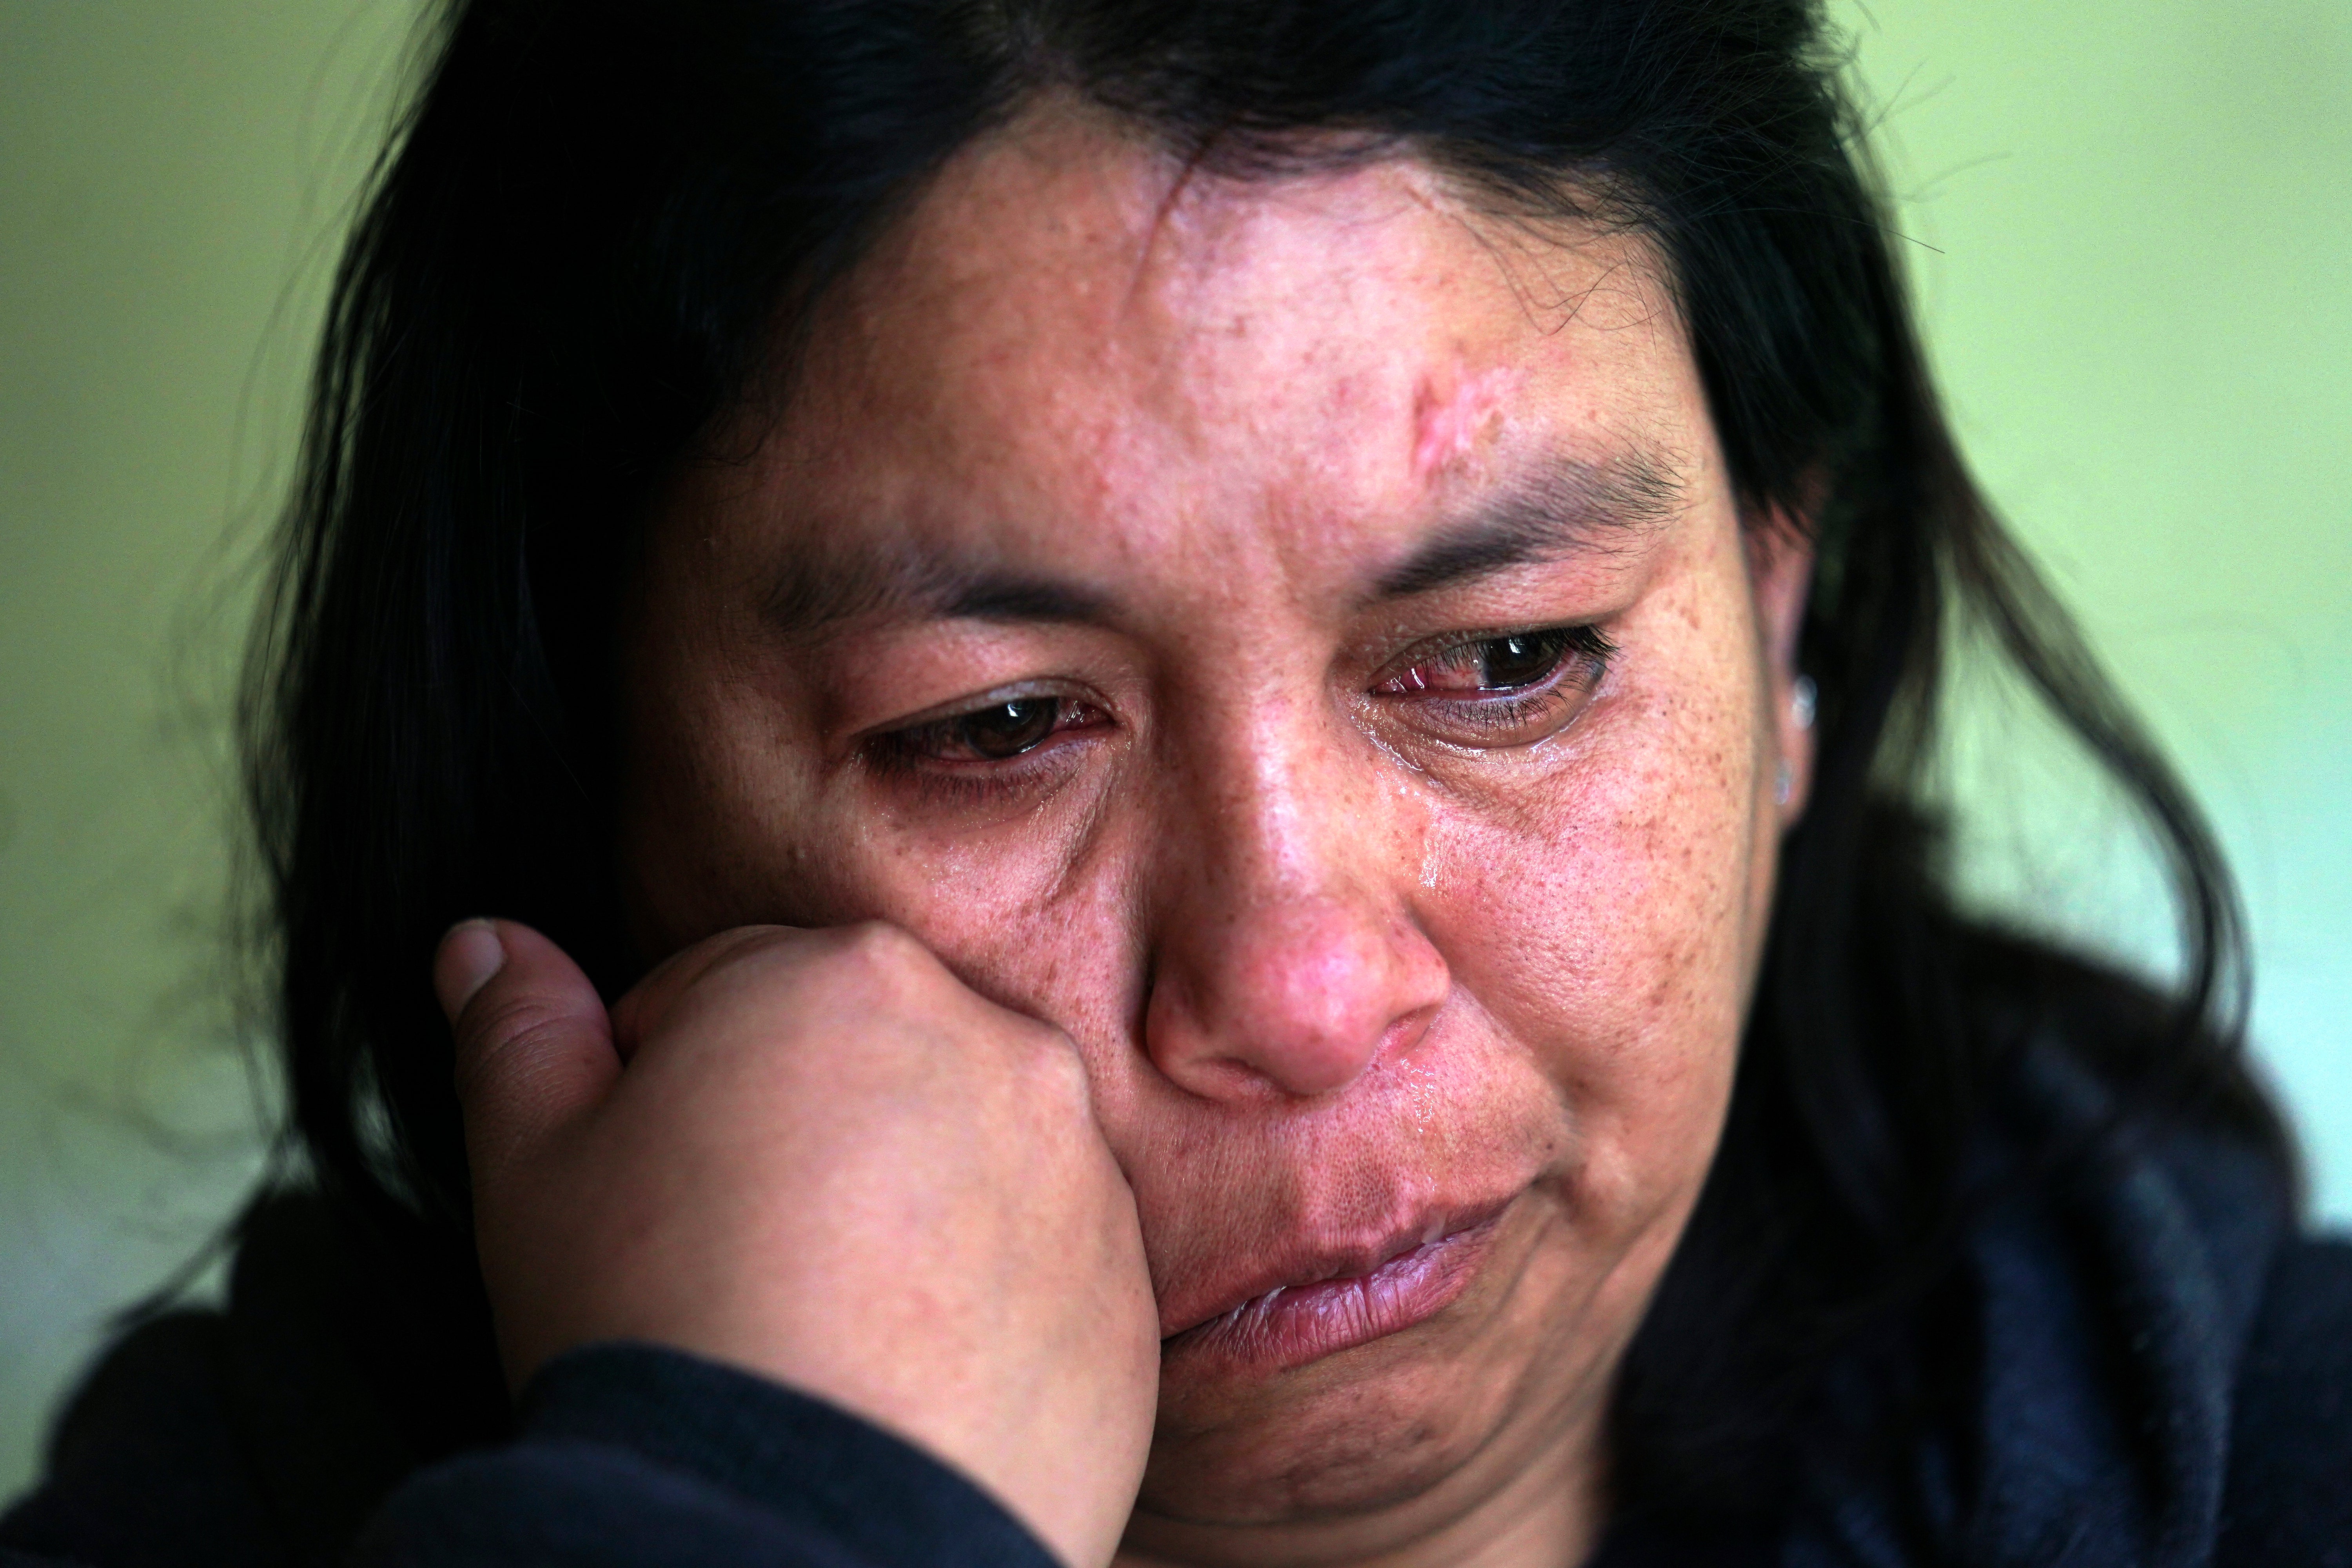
(470, 953)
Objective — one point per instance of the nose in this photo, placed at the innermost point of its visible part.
(1286, 956)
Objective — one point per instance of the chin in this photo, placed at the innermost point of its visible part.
(1337, 1439)
(1245, 1440)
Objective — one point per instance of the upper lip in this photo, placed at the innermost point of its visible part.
(1314, 1259)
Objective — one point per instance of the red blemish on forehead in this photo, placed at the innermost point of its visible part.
(1451, 414)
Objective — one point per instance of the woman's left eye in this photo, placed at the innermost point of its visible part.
(1505, 688)
(1507, 661)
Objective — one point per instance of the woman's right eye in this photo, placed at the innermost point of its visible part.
(1006, 728)
(997, 733)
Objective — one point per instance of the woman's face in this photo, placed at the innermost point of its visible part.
(1296, 637)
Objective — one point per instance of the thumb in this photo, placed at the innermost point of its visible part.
(534, 1048)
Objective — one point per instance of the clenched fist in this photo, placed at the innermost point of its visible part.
(817, 1156)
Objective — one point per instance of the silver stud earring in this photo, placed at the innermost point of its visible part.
(1784, 785)
(1803, 696)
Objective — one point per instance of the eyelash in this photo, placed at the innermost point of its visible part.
(1587, 642)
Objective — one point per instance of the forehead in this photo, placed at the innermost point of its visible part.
(1074, 344)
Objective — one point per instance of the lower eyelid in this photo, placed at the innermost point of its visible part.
(1495, 712)
(953, 782)
(1574, 680)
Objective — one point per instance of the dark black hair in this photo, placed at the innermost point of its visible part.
(598, 219)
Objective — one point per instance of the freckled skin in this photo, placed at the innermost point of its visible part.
(1323, 968)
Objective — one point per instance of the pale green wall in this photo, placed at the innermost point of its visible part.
(2134, 228)
(170, 173)
(2138, 216)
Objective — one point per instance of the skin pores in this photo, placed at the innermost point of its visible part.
(1378, 704)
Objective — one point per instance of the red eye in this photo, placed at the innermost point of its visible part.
(1511, 662)
(1498, 690)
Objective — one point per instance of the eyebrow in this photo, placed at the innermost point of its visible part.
(814, 593)
(1565, 506)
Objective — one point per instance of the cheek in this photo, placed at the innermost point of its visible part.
(1604, 918)
(1048, 929)
(739, 825)
(725, 821)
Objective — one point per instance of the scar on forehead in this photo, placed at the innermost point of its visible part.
(1451, 414)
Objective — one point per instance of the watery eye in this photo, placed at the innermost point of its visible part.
(1522, 659)
(1498, 690)
(1510, 662)
(1005, 728)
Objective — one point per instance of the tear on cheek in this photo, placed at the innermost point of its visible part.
(1451, 414)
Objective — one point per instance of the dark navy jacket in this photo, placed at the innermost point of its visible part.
(2165, 1382)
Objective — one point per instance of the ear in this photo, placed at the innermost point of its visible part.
(1780, 578)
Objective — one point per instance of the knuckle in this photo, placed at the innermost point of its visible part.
(736, 948)
(883, 947)
(1050, 1061)
(506, 1026)
(754, 948)
(882, 964)
(752, 940)
(757, 951)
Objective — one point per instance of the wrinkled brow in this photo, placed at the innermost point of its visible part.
(818, 591)
(1563, 505)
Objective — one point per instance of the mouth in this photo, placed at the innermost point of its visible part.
(1320, 1306)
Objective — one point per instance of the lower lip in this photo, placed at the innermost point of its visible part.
(1300, 1323)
